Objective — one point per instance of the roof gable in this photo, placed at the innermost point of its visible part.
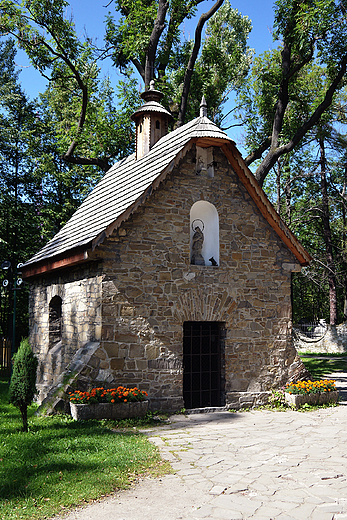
(129, 182)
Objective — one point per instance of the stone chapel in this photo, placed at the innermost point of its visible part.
(173, 275)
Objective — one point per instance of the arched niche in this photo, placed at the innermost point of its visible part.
(55, 306)
(204, 215)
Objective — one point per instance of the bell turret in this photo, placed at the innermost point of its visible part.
(151, 120)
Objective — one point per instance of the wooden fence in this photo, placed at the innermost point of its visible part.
(5, 356)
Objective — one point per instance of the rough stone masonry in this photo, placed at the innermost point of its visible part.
(123, 312)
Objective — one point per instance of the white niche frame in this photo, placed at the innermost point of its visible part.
(208, 214)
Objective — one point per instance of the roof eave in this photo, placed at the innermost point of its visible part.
(264, 205)
(71, 258)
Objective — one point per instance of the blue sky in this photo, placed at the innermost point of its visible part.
(89, 16)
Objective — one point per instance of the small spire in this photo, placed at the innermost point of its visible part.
(152, 85)
(203, 107)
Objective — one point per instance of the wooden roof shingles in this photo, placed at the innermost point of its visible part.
(128, 183)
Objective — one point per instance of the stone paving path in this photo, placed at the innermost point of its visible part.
(258, 465)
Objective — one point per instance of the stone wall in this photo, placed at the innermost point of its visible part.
(150, 289)
(80, 291)
(332, 341)
(142, 288)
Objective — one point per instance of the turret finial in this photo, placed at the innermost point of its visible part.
(203, 107)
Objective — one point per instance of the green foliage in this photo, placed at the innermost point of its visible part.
(222, 64)
(19, 145)
(87, 125)
(23, 380)
(317, 24)
(221, 68)
(60, 463)
(31, 21)
(130, 35)
(277, 399)
(257, 98)
(294, 184)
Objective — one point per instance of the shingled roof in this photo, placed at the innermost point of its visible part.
(127, 185)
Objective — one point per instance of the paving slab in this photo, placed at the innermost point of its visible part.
(241, 466)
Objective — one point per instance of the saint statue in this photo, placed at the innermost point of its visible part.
(198, 240)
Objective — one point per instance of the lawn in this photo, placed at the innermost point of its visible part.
(61, 463)
(321, 364)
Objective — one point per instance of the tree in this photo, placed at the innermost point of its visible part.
(307, 182)
(19, 226)
(220, 68)
(311, 33)
(153, 49)
(50, 41)
(147, 37)
(23, 380)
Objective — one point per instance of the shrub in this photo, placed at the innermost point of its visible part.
(23, 380)
(277, 399)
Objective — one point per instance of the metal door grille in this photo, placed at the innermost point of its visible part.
(202, 364)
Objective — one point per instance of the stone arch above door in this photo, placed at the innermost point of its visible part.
(205, 304)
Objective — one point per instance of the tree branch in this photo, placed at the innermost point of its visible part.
(275, 153)
(137, 64)
(61, 55)
(258, 152)
(176, 18)
(190, 67)
(158, 28)
(103, 164)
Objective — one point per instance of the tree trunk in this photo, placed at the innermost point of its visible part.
(278, 186)
(24, 413)
(158, 28)
(327, 236)
(190, 67)
(344, 245)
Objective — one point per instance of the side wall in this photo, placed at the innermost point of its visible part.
(80, 291)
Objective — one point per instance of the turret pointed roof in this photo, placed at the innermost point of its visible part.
(152, 100)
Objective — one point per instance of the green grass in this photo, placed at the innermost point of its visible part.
(321, 364)
(61, 463)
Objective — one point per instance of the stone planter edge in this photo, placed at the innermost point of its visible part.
(83, 412)
(298, 400)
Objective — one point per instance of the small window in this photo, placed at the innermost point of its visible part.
(55, 321)
(157, 125)
(140, 129)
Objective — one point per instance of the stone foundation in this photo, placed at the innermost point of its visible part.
(240, 400)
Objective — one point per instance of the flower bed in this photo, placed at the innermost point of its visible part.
(311, 392)
(112, 403)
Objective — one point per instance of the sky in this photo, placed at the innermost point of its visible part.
(89, 16)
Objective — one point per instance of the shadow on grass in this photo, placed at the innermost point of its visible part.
(51, 450)
(319, 366)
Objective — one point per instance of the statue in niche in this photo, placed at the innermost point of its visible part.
(198, 240)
